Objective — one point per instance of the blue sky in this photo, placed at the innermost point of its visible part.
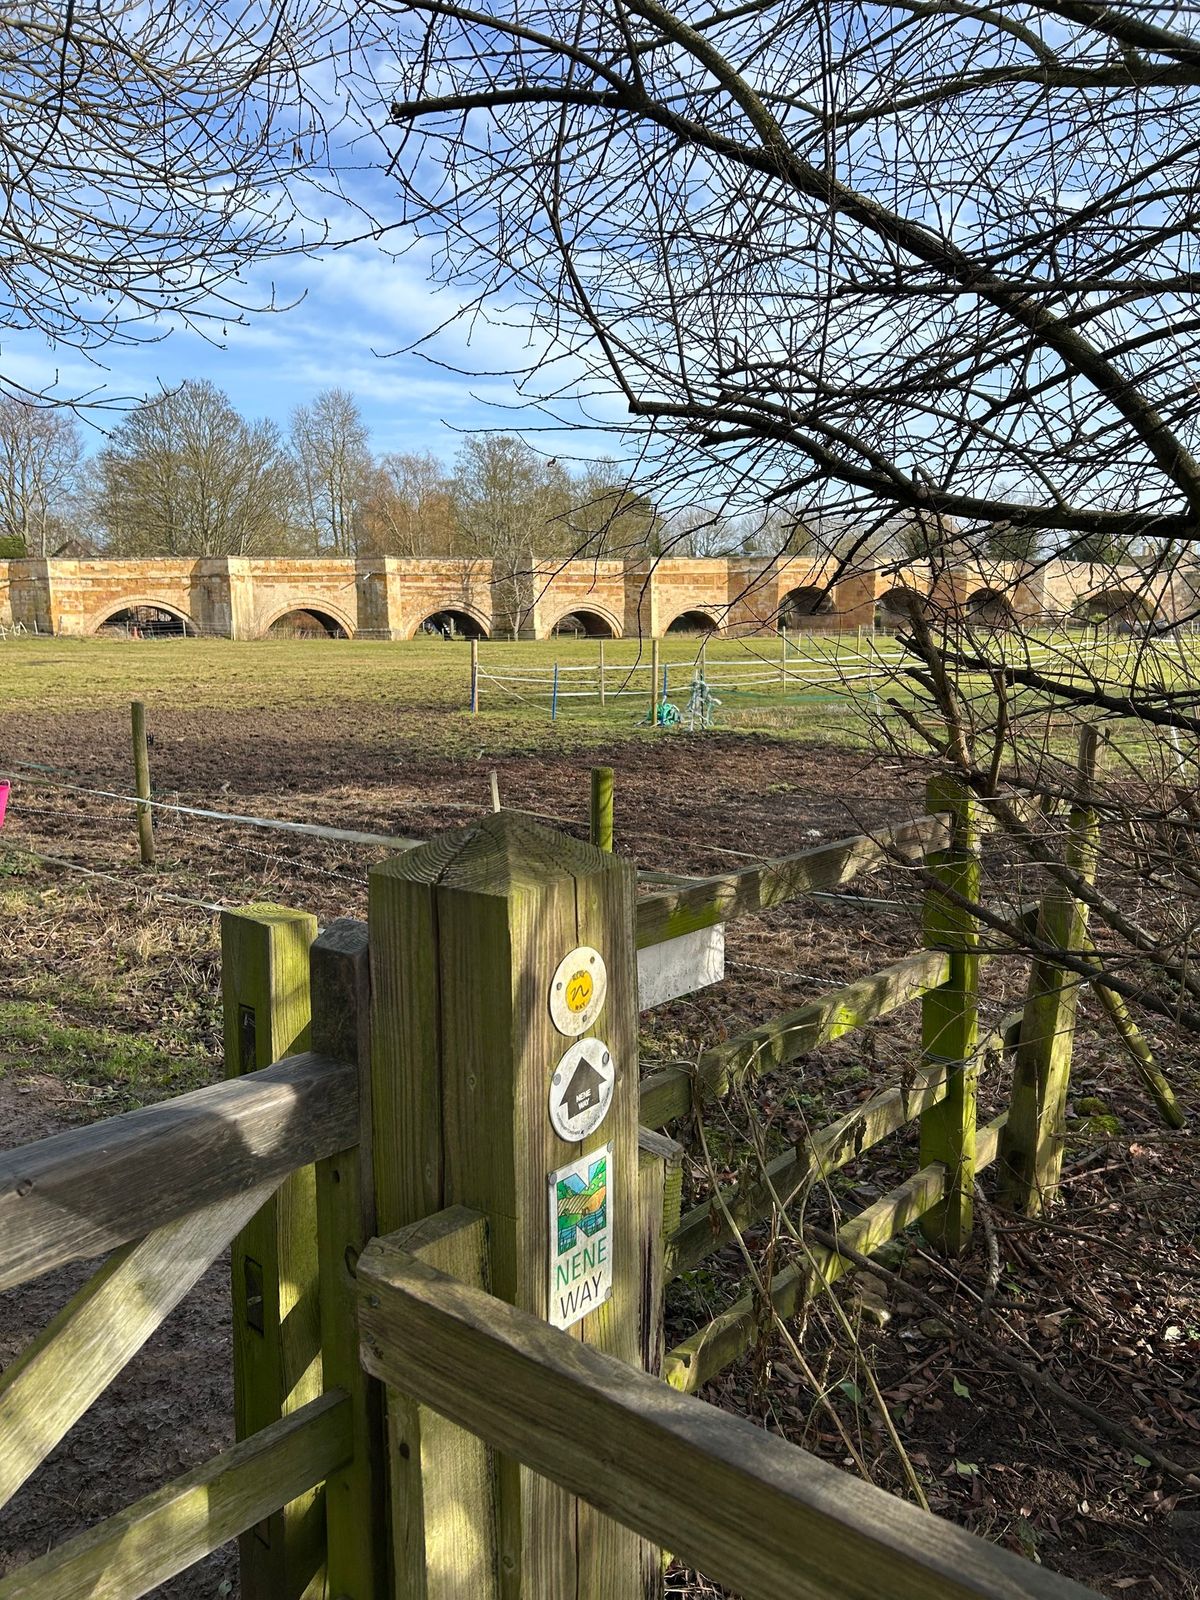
(355, 306)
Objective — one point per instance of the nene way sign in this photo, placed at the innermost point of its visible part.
(580, 1237)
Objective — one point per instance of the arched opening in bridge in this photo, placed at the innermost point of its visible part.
(145, 621)
(451, 623)
(990, 608)
(693, 622)
(803, 606)
(895, 608)
(307, 622)
(583, 624)
(1121, 608)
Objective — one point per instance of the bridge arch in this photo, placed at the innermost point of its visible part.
(805, 601)
(590, 620)
(329, 620)
(894, 608)
(455, 615)
(991, 608)
(694, 619)
(150, 615)
(1115, 604)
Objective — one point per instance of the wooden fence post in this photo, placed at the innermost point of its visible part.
(1031, 1149)
(474, 676)
(276, 1333)
(602, 808)
(602, 672)
(654, 691)
(355, 1520)
(504, 994)
(141, 780)
(949, 1019)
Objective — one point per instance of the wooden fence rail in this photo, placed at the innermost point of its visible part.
(748, 1509)
(80, 1194)
(433, 1107)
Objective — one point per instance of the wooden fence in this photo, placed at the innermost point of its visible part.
(414, 1185)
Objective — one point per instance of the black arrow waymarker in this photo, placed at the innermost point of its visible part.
(583, 1091)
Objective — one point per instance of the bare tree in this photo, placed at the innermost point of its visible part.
(407, 508)
(41, 455)
(150, 153)
(330, 449)
(184, 474)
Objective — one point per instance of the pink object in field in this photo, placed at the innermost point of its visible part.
(3, 802)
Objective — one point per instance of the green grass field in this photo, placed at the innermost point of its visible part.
(827, 690)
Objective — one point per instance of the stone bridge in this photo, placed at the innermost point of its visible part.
(389, 598)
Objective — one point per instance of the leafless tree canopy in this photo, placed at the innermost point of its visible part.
(920, 256)
(147, 154)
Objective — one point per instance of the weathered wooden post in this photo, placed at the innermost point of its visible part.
(141, 779)
(355, 1495)
(602, 672)
(654, 683)
(949, 1019)
(505, 1080)
(1031, 1148)
(276, 1324)
(474, 676)
(602, 808)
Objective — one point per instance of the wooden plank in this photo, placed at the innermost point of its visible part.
(680, 966)
(148, 1543)
(669, 1092)
(770, 883)
(80, 1194)
(950, 1020)
(442, 1471)
(712, 1348)
(355, 1494)
(710, 1225)
(1033, 1140)
(276, 1311)
(75, 1358)
(748, 1509)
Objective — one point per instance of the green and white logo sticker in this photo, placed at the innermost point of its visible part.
(580, 1237)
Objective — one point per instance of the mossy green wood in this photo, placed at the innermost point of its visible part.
(148, 1543)
(672, 1091)
(444, 1496)
(660, 1187)
(83, 1349)
(355, 1495)
(1033, 1143)
(602, 808)
(753, 1512)
(465, 936)
(141, 781)
(712, 1348)
(276, 1320)
(950, 1019)
(770, 883)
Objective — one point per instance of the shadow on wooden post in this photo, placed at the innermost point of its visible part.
(467, 935)
(276, 1334)
(355, 1495)
(950, 1020)
(1032, 1147)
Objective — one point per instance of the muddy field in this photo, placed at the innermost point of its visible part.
(109, 996)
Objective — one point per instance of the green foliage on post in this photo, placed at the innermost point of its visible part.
(950, 1019)
(276, 1329)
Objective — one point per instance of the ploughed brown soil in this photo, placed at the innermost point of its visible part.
(1106, 1297)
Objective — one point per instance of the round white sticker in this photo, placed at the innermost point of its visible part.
(581, 1089)
(578, 990)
